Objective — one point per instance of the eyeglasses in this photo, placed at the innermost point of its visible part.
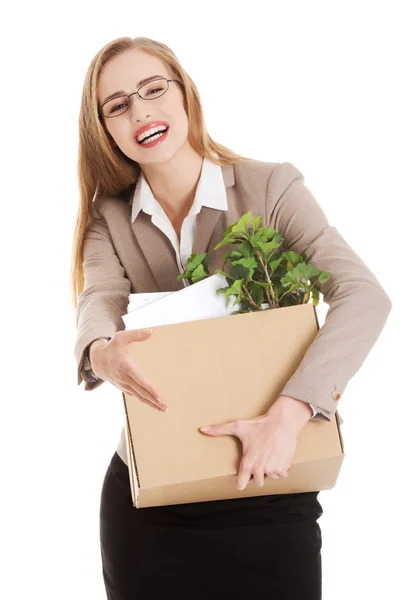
(148, 91)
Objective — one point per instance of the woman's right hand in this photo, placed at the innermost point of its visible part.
(112, 362)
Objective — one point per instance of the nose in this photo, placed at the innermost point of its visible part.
(139, 109)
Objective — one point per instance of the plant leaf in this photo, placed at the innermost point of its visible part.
(198, 274)
(266, 232)
(235, 288)
(249, 262)
(256, 292)
(240, 226)
(324, 276)
(274, 264)
(222, 272)
(256, 222)
(245, 249)
(266, 246)
(225, 241)
(239, 271)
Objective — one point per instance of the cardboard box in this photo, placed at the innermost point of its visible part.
(213, 371)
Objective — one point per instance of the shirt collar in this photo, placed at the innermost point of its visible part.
(210, 192)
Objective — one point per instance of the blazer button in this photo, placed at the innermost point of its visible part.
(335, 395)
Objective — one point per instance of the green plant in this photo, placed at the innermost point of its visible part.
(260, 272)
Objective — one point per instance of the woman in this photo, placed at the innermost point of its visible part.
(163, 188)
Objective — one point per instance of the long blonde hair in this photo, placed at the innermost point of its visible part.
(104, 170)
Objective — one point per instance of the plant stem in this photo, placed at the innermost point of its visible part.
(271, 300)
(244, 289)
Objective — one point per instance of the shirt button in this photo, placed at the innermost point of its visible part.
(335, 395)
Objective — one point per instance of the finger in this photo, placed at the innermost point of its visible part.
(155, 406)
(281, 472)
(243, 478)
(258, 477)
(143, 392)
(127, 336)
(127, 389)
(143, 382)
(221, 429)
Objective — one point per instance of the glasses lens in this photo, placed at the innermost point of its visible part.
(154, 89)
(116, 106)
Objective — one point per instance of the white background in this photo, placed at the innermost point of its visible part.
(312, 83)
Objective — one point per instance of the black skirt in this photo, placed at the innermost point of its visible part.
(244, 548)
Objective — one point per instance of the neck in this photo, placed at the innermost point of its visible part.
(174, 182)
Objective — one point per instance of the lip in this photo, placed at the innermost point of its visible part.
(149, 126)
(156, 142)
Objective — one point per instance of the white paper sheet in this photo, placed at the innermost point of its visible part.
(193, 303)
(142, 299)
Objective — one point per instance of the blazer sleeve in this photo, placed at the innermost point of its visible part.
(105, 295)
(358, 304)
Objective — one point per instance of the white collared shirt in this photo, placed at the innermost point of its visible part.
(210, 192)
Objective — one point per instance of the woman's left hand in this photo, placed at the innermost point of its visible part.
(269, 441)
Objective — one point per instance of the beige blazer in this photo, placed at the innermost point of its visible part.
(121, 257)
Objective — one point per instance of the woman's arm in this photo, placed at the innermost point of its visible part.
(105, 295)
(358, 304)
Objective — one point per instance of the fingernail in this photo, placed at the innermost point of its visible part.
(204, 428)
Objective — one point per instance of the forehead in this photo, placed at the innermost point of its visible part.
(124, 72)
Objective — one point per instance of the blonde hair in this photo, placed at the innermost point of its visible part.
(105, 170)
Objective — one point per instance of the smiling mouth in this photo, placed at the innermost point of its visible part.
(153, 137)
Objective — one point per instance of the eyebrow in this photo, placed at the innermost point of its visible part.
(139, 83)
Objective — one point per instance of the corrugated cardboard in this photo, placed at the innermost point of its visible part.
(214, 371)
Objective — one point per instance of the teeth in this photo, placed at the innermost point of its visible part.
(150, 132)
(152, 138)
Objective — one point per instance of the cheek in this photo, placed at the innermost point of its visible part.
(111, 134)
(181, 125)
(122, 134)
(181, 132)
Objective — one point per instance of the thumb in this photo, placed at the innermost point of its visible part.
(135, 335)
(221, 429)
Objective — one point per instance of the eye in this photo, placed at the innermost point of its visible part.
(117, 107)
(155, 90)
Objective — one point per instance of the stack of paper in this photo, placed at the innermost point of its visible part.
(193, 303)
(138, 300)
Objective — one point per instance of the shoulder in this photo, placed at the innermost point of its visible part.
(271, 175)
(283, 175)
(108, 205)
(254, 168)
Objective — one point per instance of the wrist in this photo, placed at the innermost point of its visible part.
(93, 353)
(291, 410)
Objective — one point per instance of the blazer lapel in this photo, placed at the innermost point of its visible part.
(206, 222)
(158, 250)
(208, 218)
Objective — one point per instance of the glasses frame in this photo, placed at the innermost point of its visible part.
(100, 113)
